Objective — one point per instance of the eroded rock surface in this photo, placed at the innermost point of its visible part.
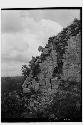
(60, 69)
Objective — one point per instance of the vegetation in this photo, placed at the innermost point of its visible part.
(25, 71)
(11, 97)
(52, 89)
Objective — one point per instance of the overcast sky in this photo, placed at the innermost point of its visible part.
(24, 30)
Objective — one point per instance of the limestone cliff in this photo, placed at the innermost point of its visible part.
(57, 70)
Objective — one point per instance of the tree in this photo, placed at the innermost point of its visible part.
(25, 71)
(40, 49)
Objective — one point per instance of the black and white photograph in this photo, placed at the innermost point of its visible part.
(41, 64)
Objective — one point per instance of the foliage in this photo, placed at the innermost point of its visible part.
(34, 66)
(12, 103)
(25, 71)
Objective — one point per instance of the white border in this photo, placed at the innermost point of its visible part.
(40, 3)
(35, 4)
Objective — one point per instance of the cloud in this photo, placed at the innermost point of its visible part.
(21, 37)
(11, 21)
(37, 15)
(62, 16)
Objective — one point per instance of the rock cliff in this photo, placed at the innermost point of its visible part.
(56, 75)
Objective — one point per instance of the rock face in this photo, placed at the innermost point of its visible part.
(57, 68)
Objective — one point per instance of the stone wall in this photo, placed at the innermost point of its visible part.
(64, 49)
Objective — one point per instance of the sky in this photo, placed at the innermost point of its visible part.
(23, 31)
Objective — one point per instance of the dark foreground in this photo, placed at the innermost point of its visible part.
(13, 105)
